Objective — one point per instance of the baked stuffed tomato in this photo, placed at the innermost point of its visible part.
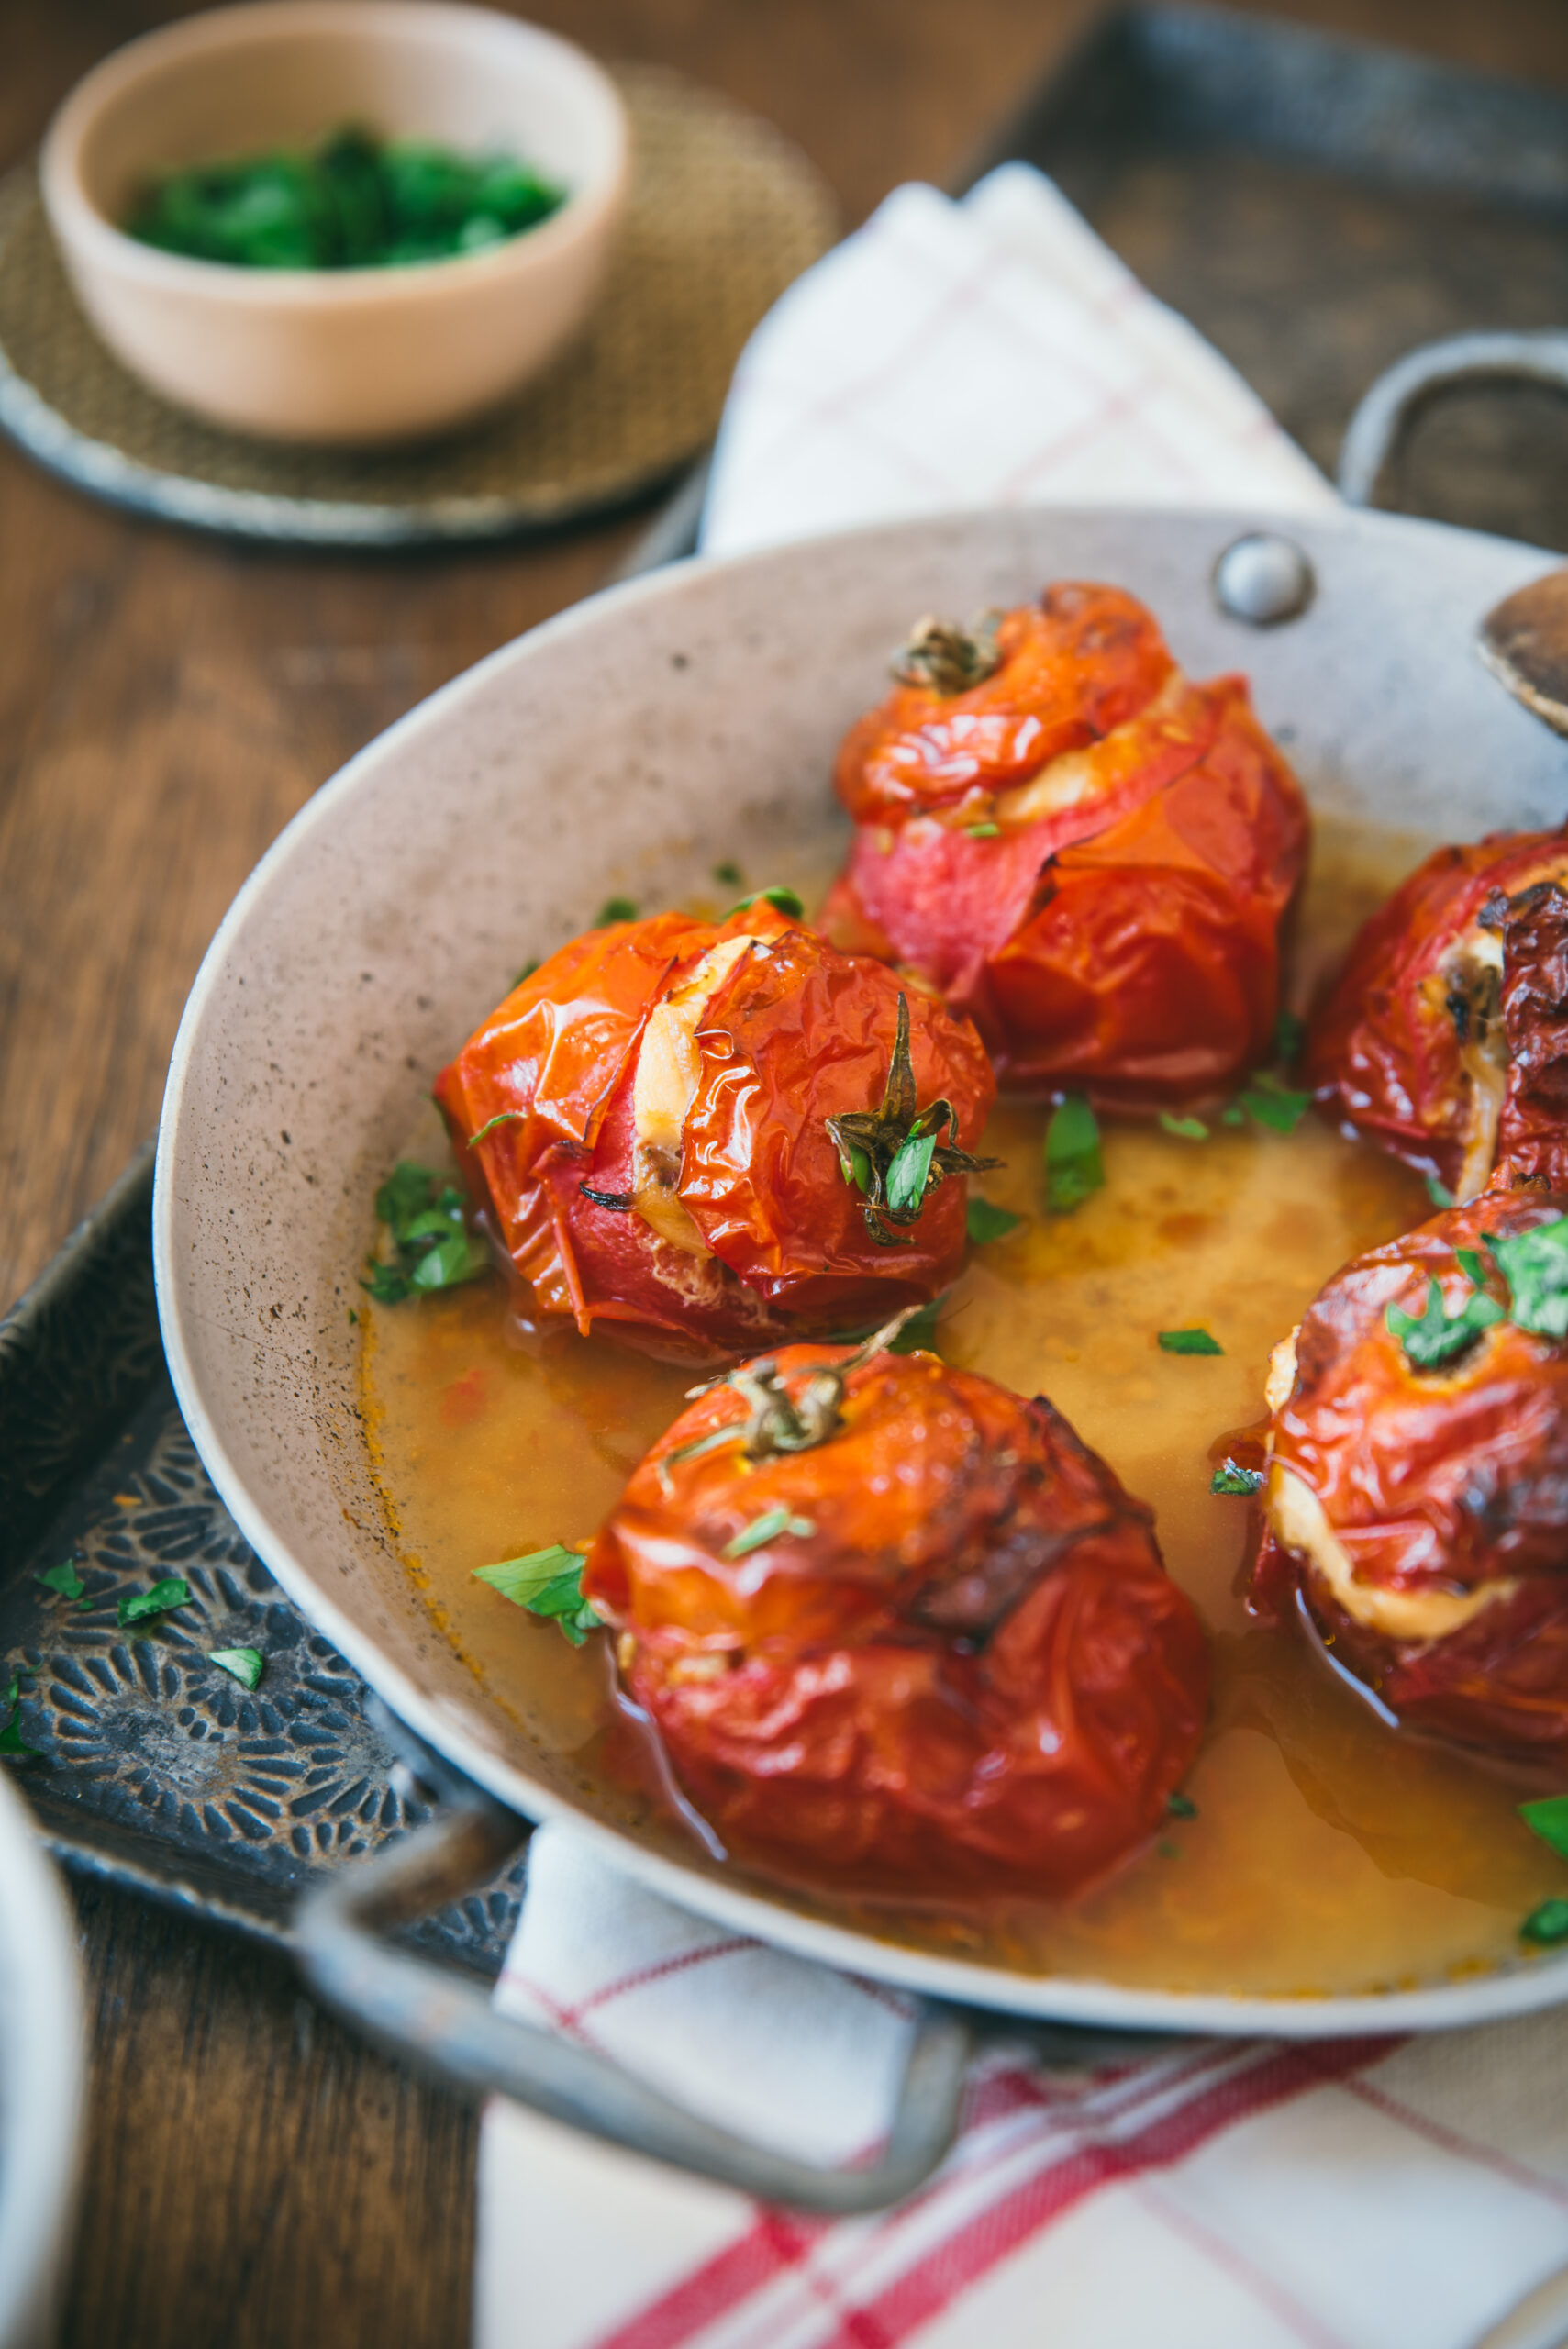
(1445, 1038)
(1078, 847)
(1416, 1498)
(896, 1627)
(711, 1134)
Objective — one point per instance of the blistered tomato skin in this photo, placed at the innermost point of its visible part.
(952, 1663)
(1433, 1551)
(1086, 853)
(1441, 1040)
(758, 1234)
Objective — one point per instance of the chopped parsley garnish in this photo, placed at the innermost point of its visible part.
(1232, 1116)
(435, 1247)
(1269, 1103)
(1439, 1193)
(1182, 1807)
(502, 1118)
(1188, 1342)
(615, 909)
(1535, 1265)
(783, 900)
(1438, 1336)
(141, 1605)
(987, 1221)
(982, 831)
(547, 1582)
(244, 1665)
(1548, 1818)
(65, 1581)
(765, 1529)
(892, 1154)
(352, 200)
(1547, 1925)
(1290, 1034)
(729, 874)
(1185, 1128)
(1230, 1478)
(1074, 1167)
(12, 1741)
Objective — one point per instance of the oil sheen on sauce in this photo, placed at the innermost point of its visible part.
(1330, 1854)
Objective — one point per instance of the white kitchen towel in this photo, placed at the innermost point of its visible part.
(989, 352)
(1371, 2195)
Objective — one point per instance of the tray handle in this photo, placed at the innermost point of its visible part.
(432, 2016)
(1385, 411)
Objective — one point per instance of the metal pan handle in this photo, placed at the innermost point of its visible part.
(431, 2015)
(1386, 410)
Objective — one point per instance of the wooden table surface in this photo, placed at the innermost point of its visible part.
(255, 2176)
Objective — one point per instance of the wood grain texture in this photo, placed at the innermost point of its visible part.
(252, 2176)
(255, 2177)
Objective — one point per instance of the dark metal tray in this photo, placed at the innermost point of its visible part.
(1315, 208)
(152, 1766)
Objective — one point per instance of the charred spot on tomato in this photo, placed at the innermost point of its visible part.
(950, 1658)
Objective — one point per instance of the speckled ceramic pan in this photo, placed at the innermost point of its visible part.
(630, 743)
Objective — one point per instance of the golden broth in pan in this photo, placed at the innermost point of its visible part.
(1330, 1854)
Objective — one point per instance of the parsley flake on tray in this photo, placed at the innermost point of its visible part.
(65, 1582)
(141, 1606)
(1230, 1478)
(548, 1583)
(1187, 1342)
(12, 1741)
(244, 1665)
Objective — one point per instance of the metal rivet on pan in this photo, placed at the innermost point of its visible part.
(1262, 580)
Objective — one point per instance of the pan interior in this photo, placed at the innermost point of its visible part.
(628, 747)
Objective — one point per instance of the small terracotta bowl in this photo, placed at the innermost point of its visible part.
(341, 357)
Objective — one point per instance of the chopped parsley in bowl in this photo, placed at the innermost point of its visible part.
(356, 201)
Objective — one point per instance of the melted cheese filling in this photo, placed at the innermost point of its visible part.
(1477, 973)
(1077, 775)
(1299, 1521)
(666, 1085)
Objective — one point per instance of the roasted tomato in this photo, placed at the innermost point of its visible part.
(1444, 1037)
(897, 1628)
(714, 1134)
(1417, 1501)
(1085, 852)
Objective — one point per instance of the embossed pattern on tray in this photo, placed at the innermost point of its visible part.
(151, 1764)
(724, 213)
